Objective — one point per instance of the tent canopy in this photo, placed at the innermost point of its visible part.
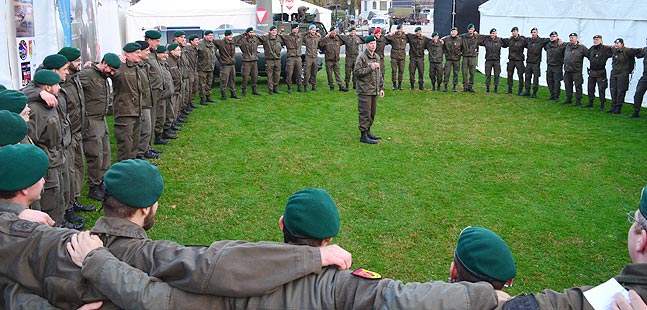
(324, 15)
(206, 14)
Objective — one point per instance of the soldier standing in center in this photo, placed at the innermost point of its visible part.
(127, 103)
(227, 49)
(598, 56)
(471, 42)
(516, 44)
(249, 43)
(417, 46)
(370, 85)
(555, 61)
(272, 45)
(332, 43)
(398, 41)
(435, 49)
(621, 67)
(574, 54)
(293, 67)
(493, 45)
(535, 46)
(453, 50)
(311, 41)
(351, 42)
(206, 62)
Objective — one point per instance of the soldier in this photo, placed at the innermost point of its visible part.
(227, 48)
(146, 99)
(598, 56)
(332, 43)
(191, 52)
(158, 111)
(166, 97)
(516, 44)
(642, 83)
(370, 85)
(293, 66)
(179, 37)
(453, 45)
(272, 45)
(534, 45)
(96, 136)
(471, 41)
(398, 41)
(574, 54)
(417, 45)
(127, 103)
(311, 41)
(555, 63)
(173, 117)
(624, 61)
(75, 101)
(435, 49)
(206, 62)
(493, 45)
(249, 43)
(380, 41)
(351, 42)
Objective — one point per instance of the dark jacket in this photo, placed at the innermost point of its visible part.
(369, 81)
(435, 50)
(127, 93)
(331, 46)
(417, 45)
(352, 45)
(515, 47)
(206, 55)
(96, 92)
(493, 47)
(248, 46)
(535, 48)
(555, 53)
(227, 49)
(398, 44)
(574, 57)
(272, 46)
(312, 44)
(453, 47)
(598, 56)
(470, 44)
(292, 43)
(621, 60)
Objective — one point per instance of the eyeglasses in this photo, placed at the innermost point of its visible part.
(632, 219)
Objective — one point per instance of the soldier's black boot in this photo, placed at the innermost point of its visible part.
(578, 102)
(636, 114)
(372, 136)
(568, 100)
(590, 104)
(254, 92)
(412, 87)
(299, 89)
(602, 105)
(243, 92)
(342, 88)
(487, 89)
(203, 101)
(496, 89)
(223, 96)
(421, 86)
(233, 95)
(433, 87)
(314, 87)
(399, 85)
(365, 139)
(209, 99)
(305, 88)
(445, 89)
(526, 94)
(454, 88)
(438, 87)
(394, 86)
(509, 90)
(96, 193)
(77, 206)
(347, 85)
(520, 92)
(534, 94)
(158, 141)
(289, 89)
(168, 135)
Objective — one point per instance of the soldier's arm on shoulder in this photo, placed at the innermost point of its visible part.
(15, 296)
(572, 298)
(633, 52)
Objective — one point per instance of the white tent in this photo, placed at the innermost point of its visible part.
(206, 14)
(611, 19)
(324, 15)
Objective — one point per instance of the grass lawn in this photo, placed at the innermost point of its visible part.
(554, 181)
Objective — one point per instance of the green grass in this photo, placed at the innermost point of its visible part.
(554, 181)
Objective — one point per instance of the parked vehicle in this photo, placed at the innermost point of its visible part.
(379, 21)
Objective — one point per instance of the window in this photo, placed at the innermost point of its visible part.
(383, 6)
(374, 5)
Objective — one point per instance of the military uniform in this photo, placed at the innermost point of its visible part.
(453, 51)
(190, 53)
(369, 86)
(492, 60)
(533, 62)
(167, 95)
(641, 87)
(573, 62)
(96, 136)
(227, 50)
(156, 80)
(75, 101)
(516, 57)
(398, 57)
(379, 50)
(206, 62)
(293, 66)
(272, 45)
(127, 109)
(554, 70)
(173, 111)
(470, 54)
(332, 49)
(331, 289)
(312, 59)
(417, 46)
(621, 68)
(598, 56)
(249, 71)
(352, 44)
(146, 103)
(435, 50)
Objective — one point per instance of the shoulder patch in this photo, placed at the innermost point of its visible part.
(23, 226)
(366, 274)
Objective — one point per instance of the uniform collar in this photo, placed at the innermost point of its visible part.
(118, 227)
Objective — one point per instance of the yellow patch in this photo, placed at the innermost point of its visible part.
(366, 274)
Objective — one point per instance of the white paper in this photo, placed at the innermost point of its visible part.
(602, 296)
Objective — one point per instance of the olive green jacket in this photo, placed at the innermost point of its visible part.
(398, 44)
(293, 44)
(206, 55)
(453, 47)
(96, 92)
(155, 73)
(75, 100)
(227, 49)
(272, 46)
(352, 44)
(176, 72)
(45, 127)
(312, 44)
(332, 46)
(248, 46)
(369, 82)
(126, 83)
(331, 289)
(145, 85)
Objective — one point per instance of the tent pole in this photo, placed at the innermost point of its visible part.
(453, 13)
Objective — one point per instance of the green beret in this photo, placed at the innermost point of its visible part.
(533, 29)
(172, 46)
(2, 87)
(311, 213)
(249, 29)
(484, 254)
(433, 34)
(193, 37)
(398, 26)
(161, 49)
(55, 61)
(554, 33)
(12, 100)
(294, 25)
(71, 53)
(134, 182)
(131, 47)
(21, 166)
(573, 34)
(152, 34)
(179, 33)
(228, 32)
(454, 28)
(332, 28)
(417, 29)
(369, 38)
(492, 30)
(208, 32)
(47, 77)
(351, 29)
(470, 26)
(272, 27)
(144, 45)
(112, 60)
(597, 36)
(619, 40)
(643, 202)
(13, 128)
(514, 28)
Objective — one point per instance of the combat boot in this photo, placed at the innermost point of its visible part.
(158, 141)
(520, 92)
(96, 193)
(342, 88)
(203, 101)
(77, 206)
(602, 105)
(487, 89)
(399, 85)
(526, 94)
(496, 89)
(454, 88)
(372, 136)
(636, 114)
(412, 88)
(314, 87)
(223, 96)
(289, 89)
(445, 89)
(365, 139)
(568, 100)
(233, 94)
(305, 88)
(433, 87)
(72, 217)
(299, 89)
(209, 98)
(534, 94)
(578, 102)
(421, 86)
(255, 92)
(509, 90)
(394, 86)
(243, 92)
(347, 85)
(168, 135)
(590, 104)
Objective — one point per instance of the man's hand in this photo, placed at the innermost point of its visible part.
(50, 99)
(335, 255)
(87, 64)
(636, 302)
(375, 65)
(93, 306)
(502, 297)
(36, 216)
(81, 245)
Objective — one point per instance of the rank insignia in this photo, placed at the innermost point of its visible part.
(366, 274)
